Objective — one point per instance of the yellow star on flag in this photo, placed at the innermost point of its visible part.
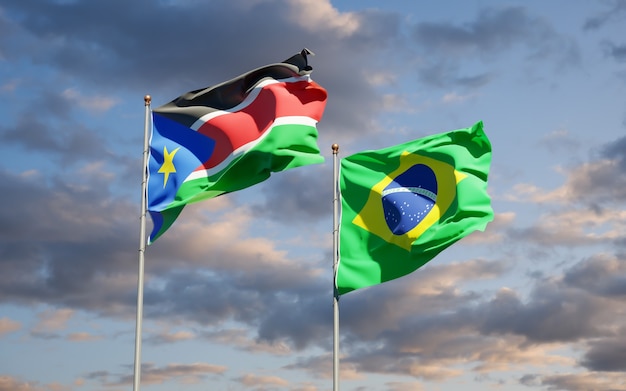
(168, 164)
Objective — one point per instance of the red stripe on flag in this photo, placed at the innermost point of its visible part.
(233, 130)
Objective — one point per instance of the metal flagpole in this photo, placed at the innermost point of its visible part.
(335, 148)
(142, 244)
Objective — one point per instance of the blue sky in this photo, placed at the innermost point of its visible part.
(238, 291)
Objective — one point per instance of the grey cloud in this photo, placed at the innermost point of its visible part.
(599, 20)
(443, 73)
(374, 300)
(67, 142)
(153, 374)
(616, 150)
(319, 365)
(615, 51)
(552, 315)
(530, 380)
(300, 315)
(87, 242)
(599, 276)
(493, 31)
(310, 196)
(547, 239)
(51, 125)
(293, 314)
(560, 141)
(581, 382)
(42, 335)
(606, 355)
(87, 35)
(86, 250)
(556, 311)
(303, 320)
(475, 81)
(134, 50)
(281, 304)
(77, 248)
(599, 184)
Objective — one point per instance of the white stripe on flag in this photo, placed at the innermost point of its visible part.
(288, 120)
(248, 99)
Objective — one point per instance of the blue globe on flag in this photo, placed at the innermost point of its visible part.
(409, 198)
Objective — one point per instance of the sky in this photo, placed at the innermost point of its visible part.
(238, 292)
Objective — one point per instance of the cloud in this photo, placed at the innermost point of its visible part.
(446, 45)
(310, 196)
(610, 15)
(240, 339)
(573, 227)
(603, 275)
(9, 383)
(616, 151)
(493, 29)
(607, 355)
(95, 104)
(83, 337)
(408, 386)
(69, 143)
(224, 273)
(187, 373)
(583, 381)
(615, 51)
(170, 337)
(81, 262)
(559, 140)
(251, 380)
(53, 320)
(152, 374)
(344, 43)
(597, 184)
(9, 86)
(553, 315)
(321, 366)
(506, 332)
(78, 249)
(312, 14)
(453, 97)
(495, 231)
(7, 325)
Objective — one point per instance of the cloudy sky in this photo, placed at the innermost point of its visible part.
(238, 292)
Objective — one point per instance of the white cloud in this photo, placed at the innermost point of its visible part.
(252, 380)
(94, 103)
(453, 97)
(316, 15)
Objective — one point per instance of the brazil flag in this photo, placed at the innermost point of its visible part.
(403, 205)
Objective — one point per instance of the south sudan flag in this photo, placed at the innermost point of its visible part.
(231, 136)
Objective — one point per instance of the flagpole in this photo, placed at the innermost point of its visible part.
(335, 148)
(142, 244)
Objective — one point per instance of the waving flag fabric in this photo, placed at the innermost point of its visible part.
(231, 136)
(403, 205)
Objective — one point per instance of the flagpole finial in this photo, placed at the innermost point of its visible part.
(335, 148)
(147, 99)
